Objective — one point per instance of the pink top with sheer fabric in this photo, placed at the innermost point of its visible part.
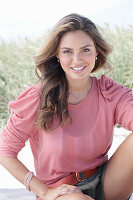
(81, 146)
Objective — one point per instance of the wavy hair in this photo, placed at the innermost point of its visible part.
(53, 80)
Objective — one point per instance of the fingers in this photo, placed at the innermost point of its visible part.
(64, 189)
(68, 189)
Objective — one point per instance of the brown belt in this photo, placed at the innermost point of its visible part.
(74, 178)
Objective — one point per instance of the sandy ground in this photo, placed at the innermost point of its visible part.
(11, 189)
(16, 194)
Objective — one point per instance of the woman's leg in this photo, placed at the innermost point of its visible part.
(118, 181)
(74, 196)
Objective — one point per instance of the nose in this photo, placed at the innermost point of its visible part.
(76, 59)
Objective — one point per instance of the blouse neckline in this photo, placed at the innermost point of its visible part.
(73, 106)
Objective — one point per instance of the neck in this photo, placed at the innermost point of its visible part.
(78, 90)
(78, 86)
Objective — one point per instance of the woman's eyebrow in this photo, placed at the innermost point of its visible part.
(66, 48)
(88, 45)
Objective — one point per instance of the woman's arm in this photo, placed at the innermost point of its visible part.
(19, 171)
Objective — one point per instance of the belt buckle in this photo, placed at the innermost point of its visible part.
(81, 179)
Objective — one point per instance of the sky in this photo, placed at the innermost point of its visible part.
(23, 17)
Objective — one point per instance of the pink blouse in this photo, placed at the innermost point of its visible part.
(84, 144)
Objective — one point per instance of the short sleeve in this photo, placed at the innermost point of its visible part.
(21, 124)
(120, 99)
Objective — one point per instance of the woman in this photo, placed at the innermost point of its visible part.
(69, 119)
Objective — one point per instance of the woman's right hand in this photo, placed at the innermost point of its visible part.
(52, 194)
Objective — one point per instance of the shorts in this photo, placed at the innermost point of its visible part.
(94, 185)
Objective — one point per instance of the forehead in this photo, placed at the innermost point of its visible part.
(75, 37)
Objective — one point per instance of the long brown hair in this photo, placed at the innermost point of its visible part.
(54, 84)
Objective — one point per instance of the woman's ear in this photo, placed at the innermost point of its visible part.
(57, 57)
(96, 56)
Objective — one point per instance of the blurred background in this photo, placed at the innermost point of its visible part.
(34, 18)
(24, 26)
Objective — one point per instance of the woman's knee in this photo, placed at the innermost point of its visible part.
(74, 196)
(119, 172)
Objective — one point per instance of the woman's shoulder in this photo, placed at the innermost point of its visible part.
(111, 89)
(33, 90)
(27, 98)
(37, 87)
(106, 83)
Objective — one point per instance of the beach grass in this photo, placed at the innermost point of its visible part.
(17, 64)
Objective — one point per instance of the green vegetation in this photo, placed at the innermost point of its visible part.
(17, 64)
(121, 58)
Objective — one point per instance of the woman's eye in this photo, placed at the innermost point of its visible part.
(86, 50)
(67, 51)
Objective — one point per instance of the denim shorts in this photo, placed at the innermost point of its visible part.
(94, 185)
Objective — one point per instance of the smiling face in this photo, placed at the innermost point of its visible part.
(77, 55)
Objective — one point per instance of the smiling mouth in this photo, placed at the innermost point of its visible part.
(78, 68)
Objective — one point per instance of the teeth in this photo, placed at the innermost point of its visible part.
(79, 68)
